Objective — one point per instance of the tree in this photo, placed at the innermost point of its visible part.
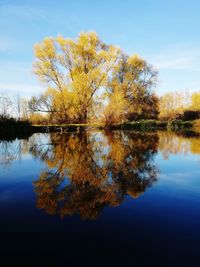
(17, 106)
(74, 71)
(195, 101)
(131, 81)
(173, 104)
(114, 111)
(5, 105)
(86, 73)
(25, 111)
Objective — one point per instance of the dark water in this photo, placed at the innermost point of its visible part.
(101, 199)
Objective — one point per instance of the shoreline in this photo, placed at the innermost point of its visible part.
(143, 125)
(23, 130)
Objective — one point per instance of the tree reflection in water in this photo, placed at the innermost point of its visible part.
(89, 171)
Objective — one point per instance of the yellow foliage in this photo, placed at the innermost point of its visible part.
(195, 105)
(37, 118)
(80, 71)
(75, 70)
(173, 103)
(115, 110)
(100, 170)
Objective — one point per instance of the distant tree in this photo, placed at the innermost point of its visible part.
(173, 104)
(195, 99)
(17, 106)
(38, 118)
(5, 105)
(25, 111)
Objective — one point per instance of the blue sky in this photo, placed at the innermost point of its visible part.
(164, 32)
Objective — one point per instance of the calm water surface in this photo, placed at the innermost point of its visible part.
(101, 198)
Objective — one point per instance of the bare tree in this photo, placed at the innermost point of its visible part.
(17, 101)
(25, 112)
(5, 105)
(21, 108)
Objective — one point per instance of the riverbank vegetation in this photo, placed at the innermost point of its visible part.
(93, 83)
(10, 128)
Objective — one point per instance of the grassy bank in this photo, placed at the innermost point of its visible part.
(142, 125)
(153, 125)
(12, 127)
(62, 128)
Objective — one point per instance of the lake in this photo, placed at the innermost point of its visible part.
(101, 198)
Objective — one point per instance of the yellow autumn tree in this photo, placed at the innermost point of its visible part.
(130, 90)
(78, 73)
(172, 104)
(74, 71)
(195, 101)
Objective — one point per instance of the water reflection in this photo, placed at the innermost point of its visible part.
(89, 171)
(11, 151)
(179, 143)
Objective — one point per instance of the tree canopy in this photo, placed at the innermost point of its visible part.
(85, 74)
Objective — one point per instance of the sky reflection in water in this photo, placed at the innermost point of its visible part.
(121, 191)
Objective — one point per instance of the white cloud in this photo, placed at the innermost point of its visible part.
(178, 57)
(22, 88)
(26, 11)
(29, 12)
(17, 77)
(173, 63)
